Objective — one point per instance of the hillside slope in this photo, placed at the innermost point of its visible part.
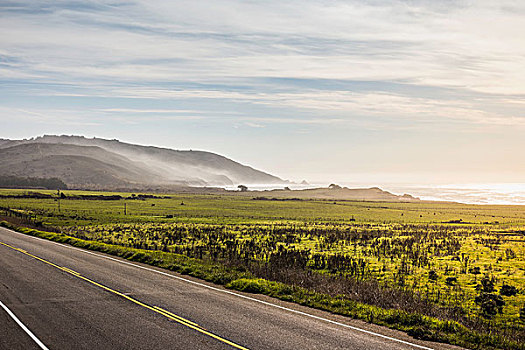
(107, 164)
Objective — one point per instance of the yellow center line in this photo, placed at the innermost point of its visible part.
(156, 309)
(177, 316)
(70, 271)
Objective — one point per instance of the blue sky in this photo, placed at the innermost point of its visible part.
(370, 91)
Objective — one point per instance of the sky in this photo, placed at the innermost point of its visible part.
(426, 91)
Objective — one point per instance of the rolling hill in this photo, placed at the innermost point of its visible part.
(100, 164)
(94, 163)
(373, 194)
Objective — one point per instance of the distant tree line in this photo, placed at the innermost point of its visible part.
(32, 182)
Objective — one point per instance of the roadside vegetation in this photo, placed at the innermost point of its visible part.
(439, 271)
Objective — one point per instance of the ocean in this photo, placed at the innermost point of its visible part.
(481, 193)
(474, 193)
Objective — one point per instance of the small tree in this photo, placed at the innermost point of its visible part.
(242, 188)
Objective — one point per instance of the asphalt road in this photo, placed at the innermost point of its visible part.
(103, 302)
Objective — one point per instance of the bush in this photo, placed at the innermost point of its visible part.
(490, 304)
(507, 290)
(475, 270)
(487, 285)
(432, 275)
(420, 333)
(250, 285)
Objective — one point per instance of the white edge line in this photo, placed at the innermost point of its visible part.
(232, 293)
(13, 316)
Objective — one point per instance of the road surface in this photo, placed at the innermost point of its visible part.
(60, 297)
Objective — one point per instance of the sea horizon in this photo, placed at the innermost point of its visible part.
(467, 193)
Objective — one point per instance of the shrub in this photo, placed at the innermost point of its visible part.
(432, 275)
(490, 304)
(507, 290)
(420, 333)
(475, 270)
(250, 285)
(487, 285)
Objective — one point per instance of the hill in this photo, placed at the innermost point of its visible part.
(100, 164)
(374, 194)
(110, 164)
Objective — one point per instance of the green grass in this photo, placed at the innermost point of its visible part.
(408, 247)
(240, 209)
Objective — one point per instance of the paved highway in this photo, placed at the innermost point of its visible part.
(69, 298)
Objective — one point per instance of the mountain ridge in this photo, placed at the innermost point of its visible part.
(120, 165)
(102, 164)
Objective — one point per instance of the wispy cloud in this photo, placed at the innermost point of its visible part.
(253, 125)
(42, 117)
(300, 66)
(141, 111)
(438, 43)
(346, 104)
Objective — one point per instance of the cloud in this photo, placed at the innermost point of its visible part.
(438, 43)
(347, 105)
(253, 125)
(50, 117)
(299, 68)
(144, 111)
(303, 121)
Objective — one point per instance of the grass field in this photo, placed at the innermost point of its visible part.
(448, 261)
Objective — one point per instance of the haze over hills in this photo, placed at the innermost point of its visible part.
(94, 163)
(101, 164)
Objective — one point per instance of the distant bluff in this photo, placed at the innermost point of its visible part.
(96, 163)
